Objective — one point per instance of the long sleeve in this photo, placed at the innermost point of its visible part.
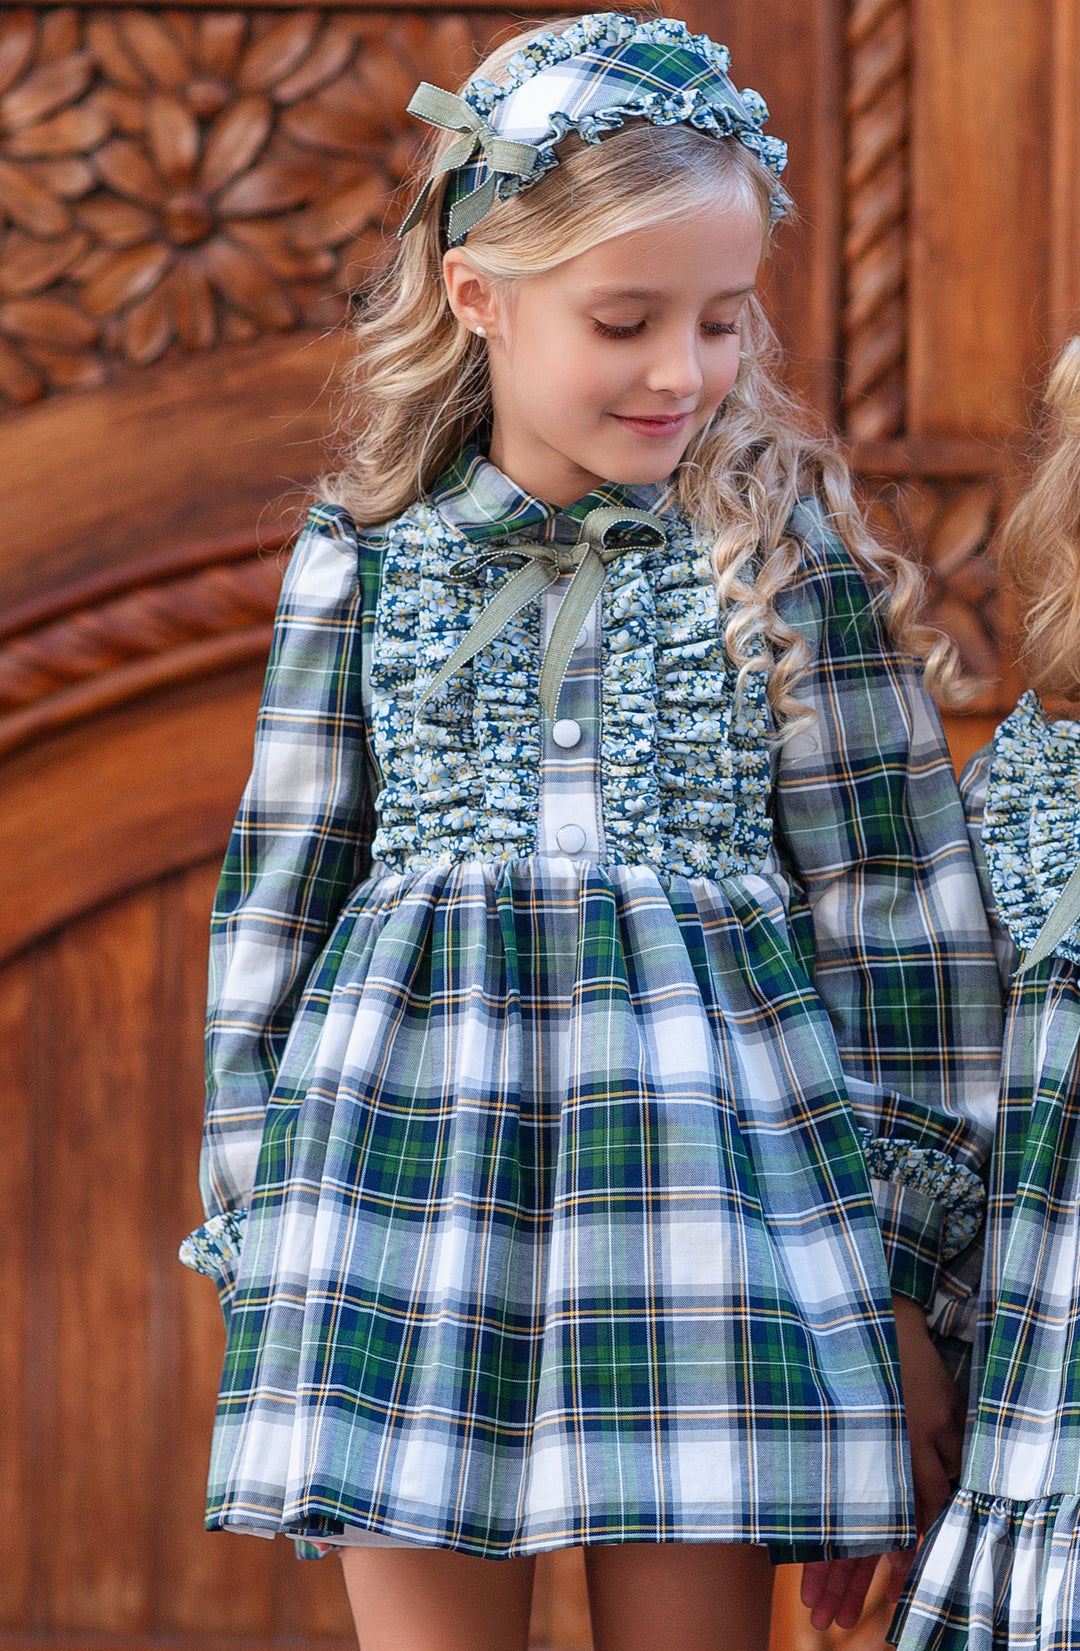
(888, 914)
(297, 849)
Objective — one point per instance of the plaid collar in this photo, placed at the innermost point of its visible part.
(475, 497)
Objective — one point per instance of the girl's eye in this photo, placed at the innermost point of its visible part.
(711, 329)
(607, 331)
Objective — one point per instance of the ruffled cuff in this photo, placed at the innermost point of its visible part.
(929, 1209)
(214, 1249)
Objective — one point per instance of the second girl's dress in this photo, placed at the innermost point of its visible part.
(545, 1130)
(1003, 1566)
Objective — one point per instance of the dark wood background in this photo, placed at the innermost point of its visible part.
(186, 198)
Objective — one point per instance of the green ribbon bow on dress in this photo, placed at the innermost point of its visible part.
(606, 533)
(1065, 912)
(453, 114)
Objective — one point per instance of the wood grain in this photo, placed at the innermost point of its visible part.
(204, 1584)
(235, 441)
(98, 1221)
(980, 229)
(219, 185)
(94, 813)
(1064, 281)
(18, 1269)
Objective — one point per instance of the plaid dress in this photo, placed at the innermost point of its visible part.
(563, 1140)
(1002, 1568)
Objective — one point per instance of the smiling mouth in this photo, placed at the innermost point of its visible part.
(667, 424)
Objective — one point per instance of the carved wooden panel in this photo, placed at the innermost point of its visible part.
(195, 180)
(876, 202)
(188, 196)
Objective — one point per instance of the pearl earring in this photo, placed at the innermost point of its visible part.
(481, 332)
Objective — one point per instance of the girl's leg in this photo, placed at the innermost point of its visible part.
(433, 1599)
(683, 1596)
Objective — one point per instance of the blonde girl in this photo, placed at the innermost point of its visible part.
(603, 1013)
(1003, 1568)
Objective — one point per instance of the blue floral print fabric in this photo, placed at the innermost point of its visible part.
(685, 749)
(1031, 830)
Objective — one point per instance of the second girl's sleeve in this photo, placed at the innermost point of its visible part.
(297, 849)
(888, 914)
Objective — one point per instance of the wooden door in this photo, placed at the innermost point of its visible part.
(186, 198)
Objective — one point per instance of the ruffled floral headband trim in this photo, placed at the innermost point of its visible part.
(602, 71)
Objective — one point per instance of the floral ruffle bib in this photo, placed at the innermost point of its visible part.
(685, 756)
(1031, 826)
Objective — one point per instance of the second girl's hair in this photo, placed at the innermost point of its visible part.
(420, 387)
(1041, 546)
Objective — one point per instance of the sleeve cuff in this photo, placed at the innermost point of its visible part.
(929, 1208)
(910, 1226)
(214, 1249)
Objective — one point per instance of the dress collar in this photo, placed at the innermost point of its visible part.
(480, 501)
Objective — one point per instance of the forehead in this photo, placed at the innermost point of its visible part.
(717, 248)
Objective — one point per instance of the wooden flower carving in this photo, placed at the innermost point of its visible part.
(177, 179)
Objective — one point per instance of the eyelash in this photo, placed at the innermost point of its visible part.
(712, 329)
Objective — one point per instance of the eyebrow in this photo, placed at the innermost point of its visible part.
(599, 293)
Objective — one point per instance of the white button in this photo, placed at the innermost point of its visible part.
(566, 733)
(583, 639)
(570, 838)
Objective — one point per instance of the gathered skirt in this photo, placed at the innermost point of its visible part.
(997, 1575)
(561, 1233)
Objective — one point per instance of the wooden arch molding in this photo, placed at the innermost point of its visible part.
(137, 616)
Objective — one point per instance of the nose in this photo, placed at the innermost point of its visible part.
(675, 369)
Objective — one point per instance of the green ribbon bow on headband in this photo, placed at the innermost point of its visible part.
(453, 114)
(600, 543)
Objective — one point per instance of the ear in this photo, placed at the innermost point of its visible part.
(470, 293)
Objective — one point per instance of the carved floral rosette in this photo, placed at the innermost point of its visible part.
(189, 178)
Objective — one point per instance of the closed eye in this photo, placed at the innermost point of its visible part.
(607, 331)
(711, 329)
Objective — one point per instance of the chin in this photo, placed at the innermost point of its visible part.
(646, 467)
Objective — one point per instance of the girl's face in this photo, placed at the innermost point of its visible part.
(606, 367)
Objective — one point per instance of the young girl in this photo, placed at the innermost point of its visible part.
(1003, 1567)
(546, 1124)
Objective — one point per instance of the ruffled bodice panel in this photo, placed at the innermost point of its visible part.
(1031, 827)
(684, 745)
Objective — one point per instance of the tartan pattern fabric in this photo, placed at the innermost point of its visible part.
(559, 1228)
(592, 77)
(1003, 1565)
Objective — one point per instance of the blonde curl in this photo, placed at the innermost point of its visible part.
(1041, 546)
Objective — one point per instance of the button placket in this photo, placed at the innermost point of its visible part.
(569, 812)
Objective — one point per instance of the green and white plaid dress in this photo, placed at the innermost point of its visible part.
(545, 1130)
(1002, 1567)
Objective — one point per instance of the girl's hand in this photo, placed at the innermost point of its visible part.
(934, 1412)
(834, 1590)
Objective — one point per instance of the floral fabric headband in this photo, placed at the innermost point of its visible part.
(600, 72)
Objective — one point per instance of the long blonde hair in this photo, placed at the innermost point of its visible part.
(420, 389)
(1040, 546)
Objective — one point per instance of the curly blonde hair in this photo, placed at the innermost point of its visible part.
(419, 388)
(1040, 546)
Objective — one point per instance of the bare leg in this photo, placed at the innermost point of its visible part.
(683, 1596)
(433, 1599)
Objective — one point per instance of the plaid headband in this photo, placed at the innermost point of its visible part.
(601, 71)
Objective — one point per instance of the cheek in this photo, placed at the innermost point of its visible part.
(723, 370)
(575, 375)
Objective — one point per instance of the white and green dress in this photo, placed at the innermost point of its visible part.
(578, 1090)
(1002, 1568)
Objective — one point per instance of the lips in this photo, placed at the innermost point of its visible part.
(659, 427)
